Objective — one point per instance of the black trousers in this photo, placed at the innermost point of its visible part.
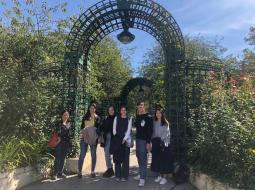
(61, 153)
(122, 168)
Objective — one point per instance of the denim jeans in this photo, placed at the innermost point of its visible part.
(122, 169)
(84, 148)
(108, 157)
(61, 153)
(141, 154)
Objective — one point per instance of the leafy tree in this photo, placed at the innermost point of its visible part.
(223, 140)
(32, 51)
(248, 64)
(30, 59)
(199, 47)
(31, 47)
(153, 65)
(109, 71)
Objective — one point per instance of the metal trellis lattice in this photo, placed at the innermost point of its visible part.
(108, 16)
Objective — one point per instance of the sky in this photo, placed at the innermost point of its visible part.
(227, 20)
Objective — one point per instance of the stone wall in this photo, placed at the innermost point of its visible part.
(21, 177)
(205, 182)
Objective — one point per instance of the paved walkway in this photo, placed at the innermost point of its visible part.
(100, 183)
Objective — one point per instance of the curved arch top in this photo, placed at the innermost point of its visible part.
(131, 84)
(107, 16)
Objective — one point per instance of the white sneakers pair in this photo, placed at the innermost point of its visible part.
(161, 180)
(141, 181)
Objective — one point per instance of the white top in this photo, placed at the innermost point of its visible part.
(128, 132)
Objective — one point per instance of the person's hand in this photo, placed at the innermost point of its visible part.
(149, 147)
(59, 139)
(123, 141)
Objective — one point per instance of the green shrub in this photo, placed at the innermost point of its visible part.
(224, 134)
(15, 152)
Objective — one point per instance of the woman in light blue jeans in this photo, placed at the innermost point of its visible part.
(90, 119)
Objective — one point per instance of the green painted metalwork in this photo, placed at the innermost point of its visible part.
(131, 84)
(108, 16)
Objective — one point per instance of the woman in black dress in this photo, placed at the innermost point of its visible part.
(161, 153)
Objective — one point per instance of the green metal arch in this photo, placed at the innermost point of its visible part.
(105, 17)
(130, 85)
(110, 15)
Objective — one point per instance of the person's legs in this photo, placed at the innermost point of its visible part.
(83, 151)
(108, 158)
(142, 160)
(138, 158)
(118, 170)
(125, 164)
(155, 162)
(166, 164)
(57, 159)
(142, 157)
(63, 154)
(93, 151)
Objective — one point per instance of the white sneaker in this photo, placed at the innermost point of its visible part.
(158, 179)
(117, 179)
(137, 177)
(163, 181)
(141, 183)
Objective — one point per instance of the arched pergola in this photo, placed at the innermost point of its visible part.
(130, 85)
(108, 16)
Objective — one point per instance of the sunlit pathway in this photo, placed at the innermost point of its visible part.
(100, 183)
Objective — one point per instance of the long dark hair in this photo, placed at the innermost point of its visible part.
(111, 106)
(123, 106)
(164, 121)
(88, 115)
(62, 113)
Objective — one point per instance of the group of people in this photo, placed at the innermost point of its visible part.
(114, 134)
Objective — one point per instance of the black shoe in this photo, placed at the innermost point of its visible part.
(62, 176)
(108, 173)
(111, 172)
(93, 175)
(79, 175)
(54, 177)
(102, 145)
